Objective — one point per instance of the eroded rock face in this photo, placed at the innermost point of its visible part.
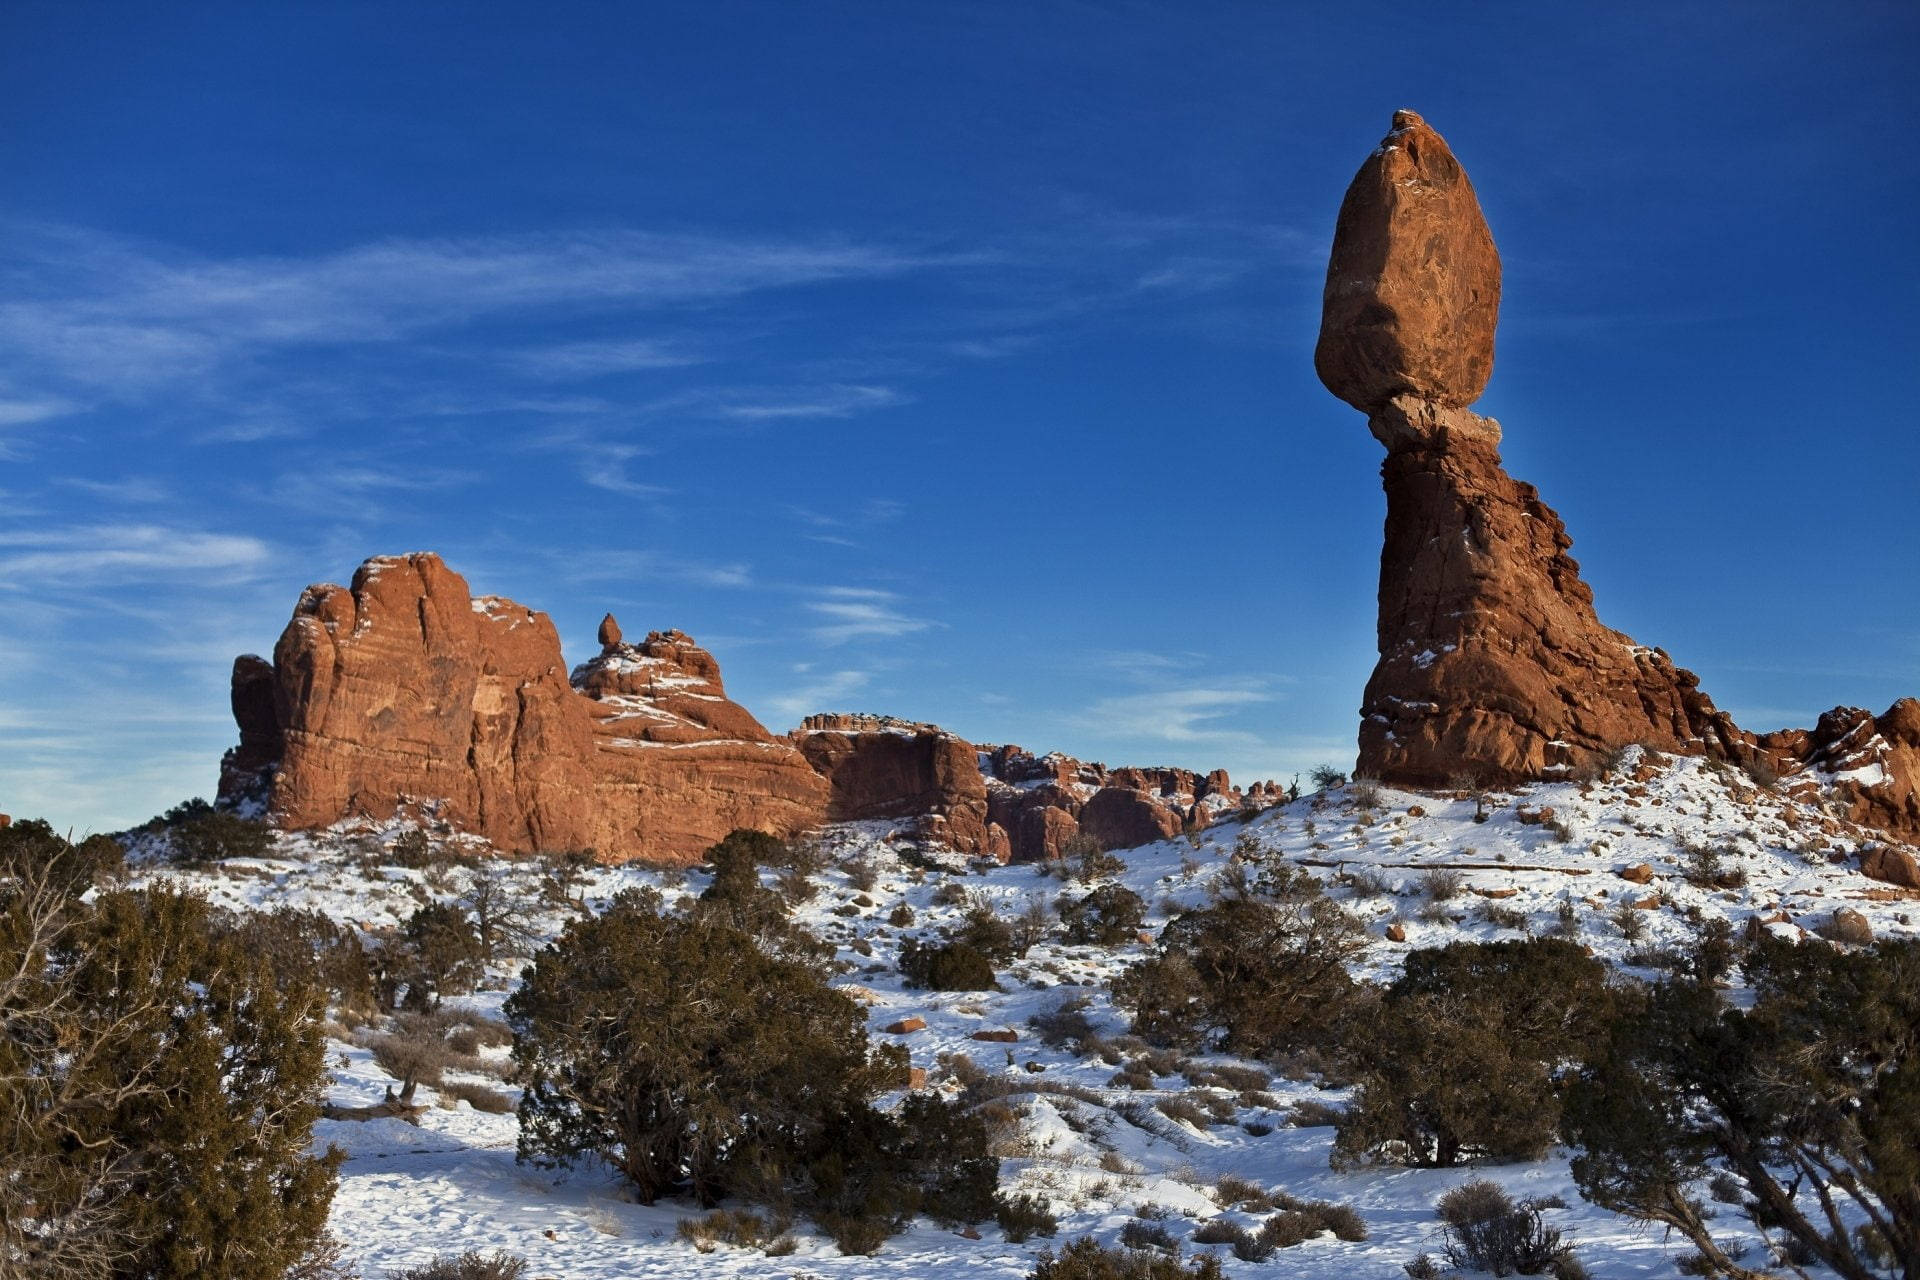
(402, 693)
(1413, 284)
(1866, 767)
(879, 767)
(1001, 801)
(1494, 666)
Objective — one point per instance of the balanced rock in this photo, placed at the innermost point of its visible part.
(1413, 285)
(1493, 664)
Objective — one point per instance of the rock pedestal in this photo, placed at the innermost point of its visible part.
(1494, 667)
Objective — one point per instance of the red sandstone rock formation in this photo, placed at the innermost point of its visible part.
(1001, 802)
(1413, 287)
(1865, 766)
(405, 694)
(1493, 664)
(879, 767)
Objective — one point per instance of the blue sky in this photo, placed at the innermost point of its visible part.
(945, 360)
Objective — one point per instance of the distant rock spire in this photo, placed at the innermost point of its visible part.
(609, 632)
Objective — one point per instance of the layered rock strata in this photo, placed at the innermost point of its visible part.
(402, 694)
(1002, 801)
(1494, 666)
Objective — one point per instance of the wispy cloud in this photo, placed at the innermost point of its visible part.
(823, 691)
(115, 314)
(859, 613)
(769, 404)
(837, 527)
(135, 489)
(608, 564)
(1178, 715)
(595, 359)
(362, 488)
(119, 552)
(17, 413)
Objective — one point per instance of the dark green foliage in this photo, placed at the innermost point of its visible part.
(158, 1087)
(471, 1265)
(197, 833)
(1814, 1090)
(307, 948)
(985, 932)
(882, 1169)
(737, 900)
(1023, 1217)
(1086, 1259)
(440, 954)
(954, 966)
(1263, 970)
(68, 868)
(1458, 1061)
(682, 1054)
(1110, 914)
(1148, 1235)
(689, 1058)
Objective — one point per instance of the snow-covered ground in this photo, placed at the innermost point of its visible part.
(1096, 1150)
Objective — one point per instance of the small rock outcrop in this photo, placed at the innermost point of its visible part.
(878, 767)
(1002, 801)
(1866, 767)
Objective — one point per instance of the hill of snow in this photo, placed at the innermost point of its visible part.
(1540, 859)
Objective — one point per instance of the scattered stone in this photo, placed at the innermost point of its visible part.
(1848, 926)
(905, 1026)
(1003, 1036)
(1892, 864)
(1638, 873)
(1396, 932)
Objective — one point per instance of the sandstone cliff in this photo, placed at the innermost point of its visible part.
(403, 693)
(1001, 801)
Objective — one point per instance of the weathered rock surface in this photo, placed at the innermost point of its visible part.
(878, 767)
(1002, 801)
(1865, 766)
(1494, 666)
(402, 693)
(1413, 284)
